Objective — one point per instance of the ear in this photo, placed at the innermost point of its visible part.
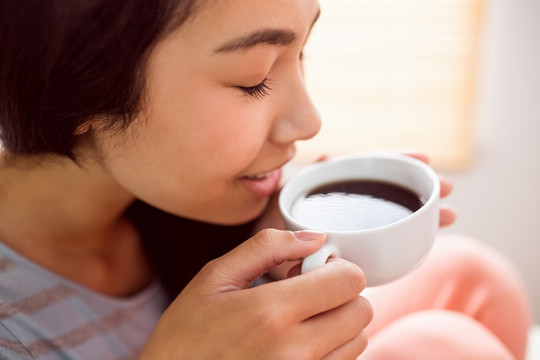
(82, 129)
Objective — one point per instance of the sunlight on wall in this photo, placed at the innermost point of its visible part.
(394, 73)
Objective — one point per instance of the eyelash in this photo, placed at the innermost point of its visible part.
(261, 90)
(258, 91)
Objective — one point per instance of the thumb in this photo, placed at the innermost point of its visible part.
(261, 253)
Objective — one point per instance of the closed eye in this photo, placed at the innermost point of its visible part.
(258, 91)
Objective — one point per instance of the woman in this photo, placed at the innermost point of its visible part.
(120, 119)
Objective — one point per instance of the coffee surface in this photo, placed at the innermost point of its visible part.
(354, 205)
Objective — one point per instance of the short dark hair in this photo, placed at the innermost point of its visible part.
(65, 62)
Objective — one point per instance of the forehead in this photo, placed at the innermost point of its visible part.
(219, 20)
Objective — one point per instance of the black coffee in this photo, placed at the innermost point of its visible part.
(355, 205)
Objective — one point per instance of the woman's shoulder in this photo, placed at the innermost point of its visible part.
(47, 315)
(11, 348)
(16, 303)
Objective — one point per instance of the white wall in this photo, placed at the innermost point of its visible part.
(498, 197)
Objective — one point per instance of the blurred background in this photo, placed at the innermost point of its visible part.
(456, 79)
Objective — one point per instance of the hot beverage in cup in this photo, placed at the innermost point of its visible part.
(355, 205)
(379, 211)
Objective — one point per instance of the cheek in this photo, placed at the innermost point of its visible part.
(219, 127)
(201, 148)
(197, 140)
(201, 119)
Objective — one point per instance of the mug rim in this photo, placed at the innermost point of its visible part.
(431, 174)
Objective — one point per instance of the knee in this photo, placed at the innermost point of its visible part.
(435, 334)
(471, 264)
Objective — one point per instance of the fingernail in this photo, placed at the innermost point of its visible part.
(308, 235)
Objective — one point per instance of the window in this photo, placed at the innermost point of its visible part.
(393, 74)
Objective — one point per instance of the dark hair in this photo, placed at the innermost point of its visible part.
(65, 62)
(178, 248)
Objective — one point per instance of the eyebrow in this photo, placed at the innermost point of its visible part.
(279, 37)
(265, 36)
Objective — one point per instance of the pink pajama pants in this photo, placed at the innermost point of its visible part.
(464, 302)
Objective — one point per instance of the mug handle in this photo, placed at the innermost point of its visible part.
(319, 257)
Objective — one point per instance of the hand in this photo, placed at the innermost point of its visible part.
(272, 219)
(447, 214)
(317, 315)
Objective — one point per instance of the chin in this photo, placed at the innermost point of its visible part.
(236, 215)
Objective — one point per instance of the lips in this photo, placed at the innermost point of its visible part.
(262, 185)
(259, 176)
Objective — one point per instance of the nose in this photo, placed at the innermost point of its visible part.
(298, 118)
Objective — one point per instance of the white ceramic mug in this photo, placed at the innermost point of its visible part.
(384, 253)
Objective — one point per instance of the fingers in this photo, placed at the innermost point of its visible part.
(322, 289)
(446, 187)
(350, 350)
(415, 154)
(295, 270)
(447, 216)
(254, 257)
(343, 327)
(323, 157)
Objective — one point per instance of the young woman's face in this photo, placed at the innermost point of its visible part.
(226, 102)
